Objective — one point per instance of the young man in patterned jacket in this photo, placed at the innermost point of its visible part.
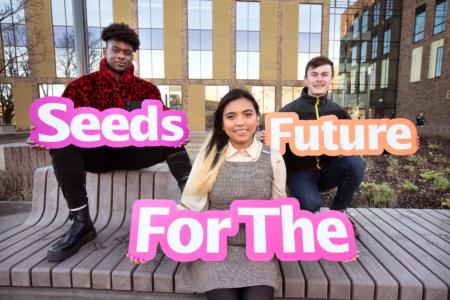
(114, 85)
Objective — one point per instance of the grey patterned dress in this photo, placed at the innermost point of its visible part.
(236, 180)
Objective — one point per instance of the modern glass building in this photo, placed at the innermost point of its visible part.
(196, 50)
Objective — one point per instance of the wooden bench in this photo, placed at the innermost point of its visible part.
(404, 253)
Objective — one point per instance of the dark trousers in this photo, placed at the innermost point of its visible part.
(71, 163)
(345, 173)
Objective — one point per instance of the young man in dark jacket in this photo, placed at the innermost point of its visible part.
(309, 175)
(114, 85)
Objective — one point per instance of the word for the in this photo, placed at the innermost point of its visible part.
(59, 124)
(331, 136)
(272, 227)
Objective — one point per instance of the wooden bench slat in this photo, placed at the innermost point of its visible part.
(293, 280)
(163, 277)
(441, 256)
(122, 275)
(81, 274)
(143, 274)
(316, 281)
(165, 185)
(20, 240)
(431, 228)
(61, 273)
(432, 286)
(431, 223)
(102, 273)
(37, 250)
(339, 285)
(416, 252)
(410, 287)
(373, 281)
(436, 214)
(431, 217)
(37, 205)
(445, 212)
(419, 229)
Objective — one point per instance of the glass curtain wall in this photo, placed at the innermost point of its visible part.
(364, 47)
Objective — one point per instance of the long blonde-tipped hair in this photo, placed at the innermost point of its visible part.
(213, 151)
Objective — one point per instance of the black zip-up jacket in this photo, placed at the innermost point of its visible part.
(305, 107)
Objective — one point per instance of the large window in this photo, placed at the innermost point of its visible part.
(374, 47)
(247, 40)
(309, 35)
(416, 64)
(356, 27)
(46, 89)
(436, 57)
(200, 38)
(389, 9)
(440, 14)
(376, 14)
(363, 52)
(7, 112)
(419, 27)
(99, 16)
(14, 38)
(151, 35)
(387, 41)
(63, 38)
(365, 21)
(213, 94)
(171, 96)
(438, 70)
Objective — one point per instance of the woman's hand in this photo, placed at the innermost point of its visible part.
(136, 261)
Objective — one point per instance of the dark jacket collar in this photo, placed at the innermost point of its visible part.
(311, 99)
(126, 76)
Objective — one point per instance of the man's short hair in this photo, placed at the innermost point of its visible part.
(121, 32)
(319, 61)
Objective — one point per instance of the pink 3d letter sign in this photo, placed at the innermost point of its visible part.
(59, 124)
(332, 136)
(275, 227)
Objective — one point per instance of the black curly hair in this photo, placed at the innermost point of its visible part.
(121, 32)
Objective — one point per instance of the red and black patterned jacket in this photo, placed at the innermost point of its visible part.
(101, 91)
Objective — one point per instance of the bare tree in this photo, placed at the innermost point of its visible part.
(17, 49)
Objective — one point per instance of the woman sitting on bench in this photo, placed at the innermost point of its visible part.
(233, 165)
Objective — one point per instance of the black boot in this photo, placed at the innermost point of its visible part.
(81, 232)
(180, 166)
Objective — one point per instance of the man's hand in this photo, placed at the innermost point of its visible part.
(32, 143)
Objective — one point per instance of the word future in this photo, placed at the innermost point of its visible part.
(275, 227)
(331, 136)
(59, 124)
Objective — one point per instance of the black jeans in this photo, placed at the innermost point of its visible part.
(71, 163)
(345, 173)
